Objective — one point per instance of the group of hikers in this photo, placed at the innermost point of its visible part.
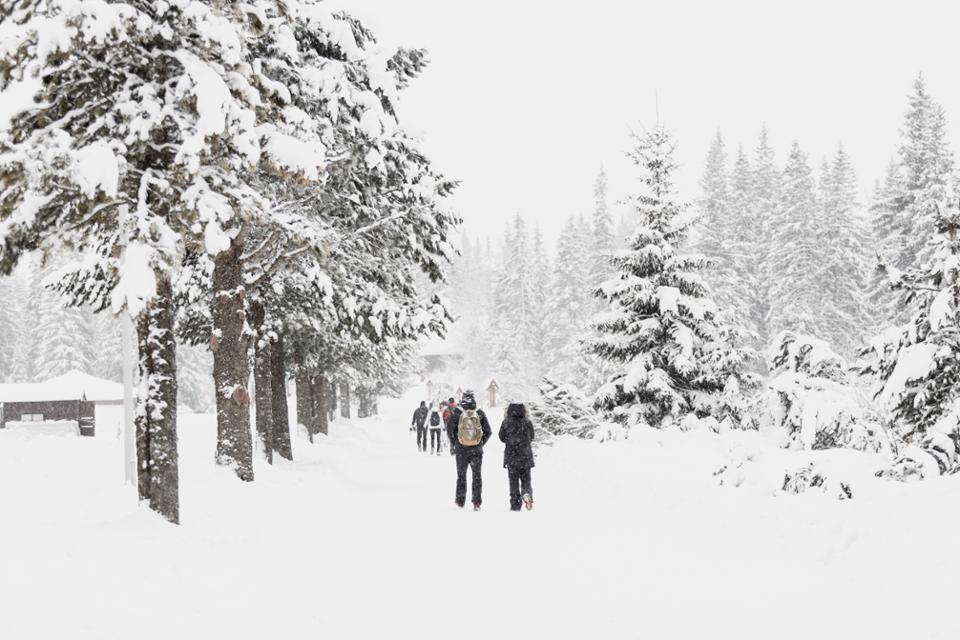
(467, 430)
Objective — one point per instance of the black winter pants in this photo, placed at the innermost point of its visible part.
(473, 459)
(421, 438)
(519, 479)
(434, 440)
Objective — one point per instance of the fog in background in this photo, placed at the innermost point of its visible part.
(523, 101)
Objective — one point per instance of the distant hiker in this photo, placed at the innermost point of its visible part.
(420, 424)
(447, 410)
(468, 430)
(445, 416)
(516, 433)
(435, 428)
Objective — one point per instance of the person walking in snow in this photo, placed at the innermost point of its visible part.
(435, 427)
(445, 416)
(468, 430)
(516, 433)
(420, 424)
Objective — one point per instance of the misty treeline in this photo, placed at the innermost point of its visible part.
(41, 337)
(775, 297)
(232, 177)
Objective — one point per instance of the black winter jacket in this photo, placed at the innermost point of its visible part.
(420, 417)
(454, 421)
(516, 433)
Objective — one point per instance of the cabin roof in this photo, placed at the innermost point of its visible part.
(74, 385)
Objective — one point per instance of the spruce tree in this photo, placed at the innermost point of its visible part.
(568, 308)
(888, 240)
(714, 209)
(927, 165)
(793, 253)
(916, 363)
(601, 233)
(843, 259)
(746, 290)
(659, 314)
(762, 232)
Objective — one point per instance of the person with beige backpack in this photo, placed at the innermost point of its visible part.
(468, 430)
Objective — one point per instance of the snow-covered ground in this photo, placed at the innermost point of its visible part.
(360, 539)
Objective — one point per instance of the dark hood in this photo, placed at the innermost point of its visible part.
(468, 403)
(516, 411)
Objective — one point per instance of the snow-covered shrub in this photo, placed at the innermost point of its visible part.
(811, 398)
(935, 455)
(807, 477)
(564, 410)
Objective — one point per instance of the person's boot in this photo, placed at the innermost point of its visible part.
(528, 501)
(476, 507)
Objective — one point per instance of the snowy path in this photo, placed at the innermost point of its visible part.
(360, 539)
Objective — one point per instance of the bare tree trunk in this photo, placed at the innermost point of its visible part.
(156, 418)
(262, 381)
(231, 363)
(319, 392)
(345, 399)
(281, 421)
(305, 403)
(363, 408)
(331, 400)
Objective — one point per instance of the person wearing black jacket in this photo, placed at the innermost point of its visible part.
(516, 433)
(420, 423)
(471, 456)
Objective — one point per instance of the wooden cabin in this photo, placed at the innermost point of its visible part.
(66, 403)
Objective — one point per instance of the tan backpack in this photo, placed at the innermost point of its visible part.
(469, 429)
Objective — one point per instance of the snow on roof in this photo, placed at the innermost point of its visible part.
(75, 385)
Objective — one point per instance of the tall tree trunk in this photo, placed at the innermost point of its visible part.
(319, 392)
(262, 380)
(305, 403)
(231, 363)
(345, 399)
(281, 421)
(363, 407)
(331, 400)
(156, 418)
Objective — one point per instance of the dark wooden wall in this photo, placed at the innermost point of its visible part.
(81, 411)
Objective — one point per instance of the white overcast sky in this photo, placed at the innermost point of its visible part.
(525, 99)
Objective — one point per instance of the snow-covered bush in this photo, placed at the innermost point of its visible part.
(564, 410)
(811, 398)
(807, 477)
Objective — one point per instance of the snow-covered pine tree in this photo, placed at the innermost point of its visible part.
(889, 243)
(513, 308)
(568, 308)
(905, 208)
(915, 364)
(9, 326)
(108, 358)
(746, 251)
(843, 258)
(540, 294)
(927, 165)
(659, 313)
(793, 262)
(64, 334)
(761, 231)
(601, 231)
(714, 226)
